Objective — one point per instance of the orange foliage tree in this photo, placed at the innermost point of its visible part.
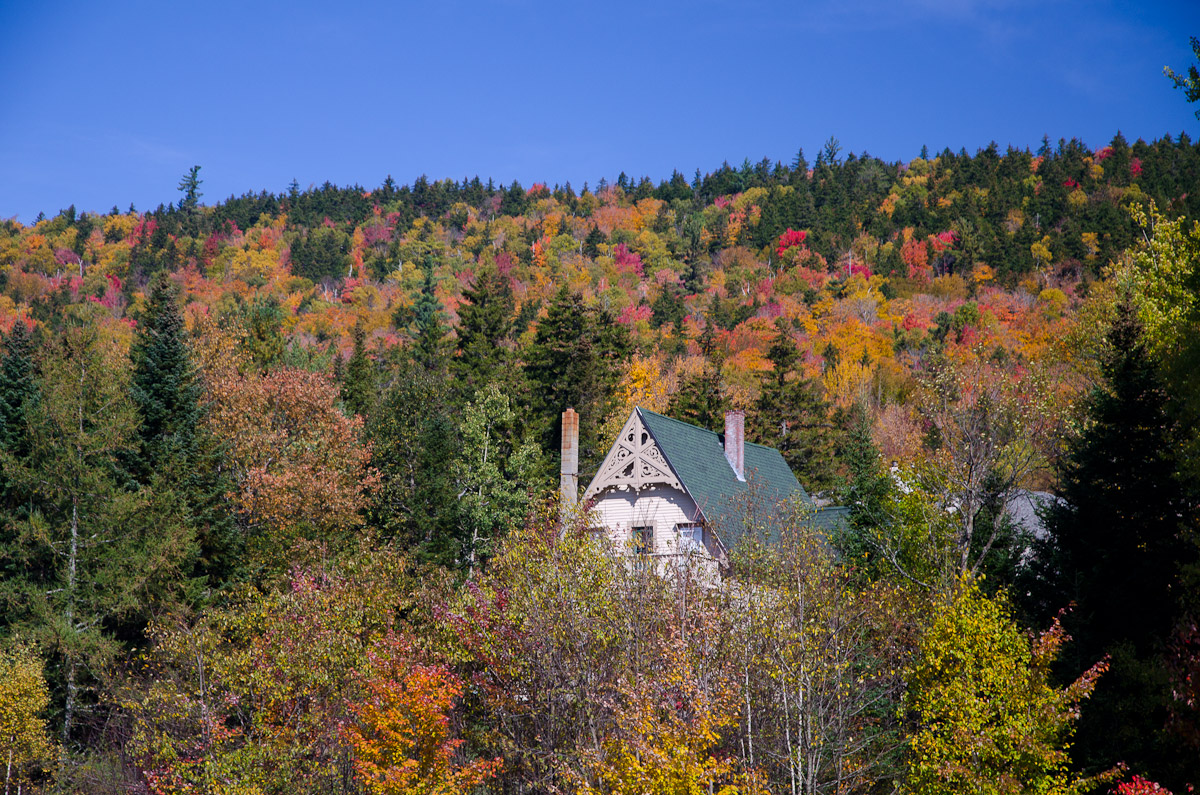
(298, 463)
(401, 732)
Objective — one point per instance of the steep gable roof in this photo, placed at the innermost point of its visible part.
(635, 461)
(697, 456)
(653, 450)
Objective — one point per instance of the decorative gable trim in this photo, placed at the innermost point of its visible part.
(635, 462)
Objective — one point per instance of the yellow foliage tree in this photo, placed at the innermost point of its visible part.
(664, 743)
(25, 748)
(989, 722)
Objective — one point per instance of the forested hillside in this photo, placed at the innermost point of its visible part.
(277, 478)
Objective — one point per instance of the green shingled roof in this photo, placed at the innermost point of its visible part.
(698, 457)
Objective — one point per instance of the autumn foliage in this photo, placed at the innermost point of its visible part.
(337, 570)
(401, 727)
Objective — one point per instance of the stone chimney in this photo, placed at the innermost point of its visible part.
(568, 478)
(735, 442)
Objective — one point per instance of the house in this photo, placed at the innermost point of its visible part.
(670, 492)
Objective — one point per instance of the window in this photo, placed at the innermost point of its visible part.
(642, 540)
(691, 538)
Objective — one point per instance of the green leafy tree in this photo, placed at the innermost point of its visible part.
(1162, 277)
(1189, 82)
(986, 717)
(493, 474)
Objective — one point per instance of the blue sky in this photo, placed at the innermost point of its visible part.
(105, 104)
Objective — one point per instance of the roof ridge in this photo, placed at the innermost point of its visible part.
(691, 425)
(701, 428)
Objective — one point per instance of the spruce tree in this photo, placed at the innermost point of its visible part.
(698, 399)
(485, 322)
(413, 444)
(95, 558)
(18, 396)
(164, 385)
(17, 387)
(1116, 547)
(575, 360)
(175, 451)
(359, 389)
(865, 493)
(429, 329)
(793, 416)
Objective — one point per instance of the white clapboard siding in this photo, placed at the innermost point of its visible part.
(662, 508)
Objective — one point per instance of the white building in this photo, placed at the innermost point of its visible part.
(670, 492)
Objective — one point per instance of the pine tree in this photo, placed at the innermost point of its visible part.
(1116, 547)
(189, 205)
(794, 417)
(174, 450)
(359, 389)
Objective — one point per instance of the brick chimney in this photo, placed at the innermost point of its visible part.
(568, 478)
(735, 442)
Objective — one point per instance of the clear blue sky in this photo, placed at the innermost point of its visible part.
(105, 104)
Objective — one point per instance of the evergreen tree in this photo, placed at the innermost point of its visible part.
(575, 360)
(359, 390)
(793, 416)
(866, 491)
(189, 205)
(18, 397)
(175, 452)
(1116, 546)
(164, 385)
(591, 243)
(17, 388)
(95, 558)
(413, 443)
(485, 321)
(699, 399)
(429, 330)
